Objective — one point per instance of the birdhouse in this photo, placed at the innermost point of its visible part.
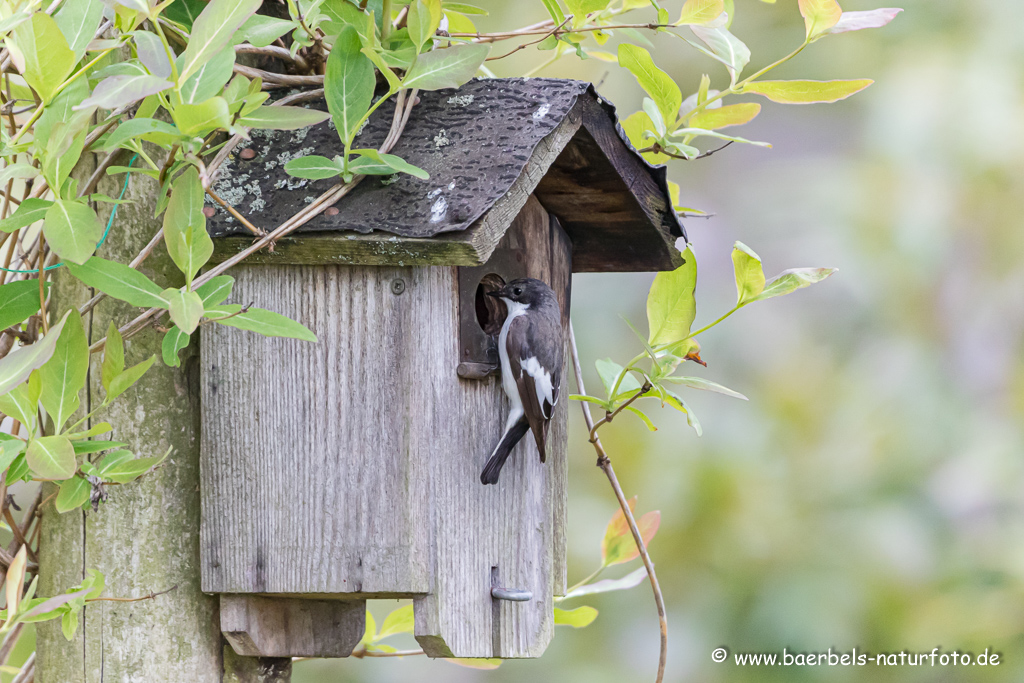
(349, 469)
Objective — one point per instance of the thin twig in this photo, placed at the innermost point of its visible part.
(658, 149)
(144, 597)
(281, 79)
(28, 670)
(274, 51)
(606, 465)
(259, 232)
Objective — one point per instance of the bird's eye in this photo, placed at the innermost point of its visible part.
(517, 291)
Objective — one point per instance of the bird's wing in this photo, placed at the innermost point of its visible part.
(537, 390)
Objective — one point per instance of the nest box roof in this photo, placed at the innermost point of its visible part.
(487, 146)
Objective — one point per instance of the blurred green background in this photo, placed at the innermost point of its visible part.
(870, 492)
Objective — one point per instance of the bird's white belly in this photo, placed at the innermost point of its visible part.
(508, 382)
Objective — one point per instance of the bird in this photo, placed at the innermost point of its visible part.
(531, 349)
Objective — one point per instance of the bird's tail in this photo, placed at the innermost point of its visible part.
(497, 460)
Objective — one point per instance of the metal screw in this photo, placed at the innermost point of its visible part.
(397, 286)
(511, 594)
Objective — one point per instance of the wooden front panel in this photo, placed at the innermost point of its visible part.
(315, 469)
(350, 468)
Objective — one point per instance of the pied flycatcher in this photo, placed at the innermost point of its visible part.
(531, 349)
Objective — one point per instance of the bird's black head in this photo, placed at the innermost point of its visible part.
(526, 291)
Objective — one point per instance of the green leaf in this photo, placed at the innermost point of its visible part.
(90, 446)
(150, 130)
(348, 83)
(806, 92)
(185, 12)
(679, 404)
(819, 16)
(722, 117)
(122, 382)
(185, 234)
(63, 151)
(18, 300)
(185, 308)
(700, 11)
(117, 91)
(398, 621)
(19, 170)
(63, 376)
(655, 82)
(119, 281)
(74, 493)
(19, 404)
(260, 31)
(423, 20)
(283, 118)
(78, 21)
(581, 617)
(111, 460)
(630, 580)
(72, 230)
(373, 162)
(175, 340)
(209, 79)
(723, 46)
(9, 450)
(41, 53)
(671, 306)
(313, 167)
(748, 271)
(792, 280)
(447, 68)
(152, 54)
(267, 323)
(113, 356)
(705, 385)
(609, 371)
(216, 290)
(30, 211)
(95, 430)
(129, 470)
(198, 119)
(16, 366)
(51, 457)
(643, 417)
(212, 30)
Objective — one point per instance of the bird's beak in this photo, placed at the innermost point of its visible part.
(497, 294)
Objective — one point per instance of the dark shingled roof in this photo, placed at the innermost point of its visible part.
(475, 143)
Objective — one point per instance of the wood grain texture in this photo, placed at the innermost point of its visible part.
(310, 484)
(257, 626)
(351, 467)
(516, 528)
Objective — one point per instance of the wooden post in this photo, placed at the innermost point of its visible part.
(145, 538)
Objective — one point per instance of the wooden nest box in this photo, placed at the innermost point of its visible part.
(350, 469)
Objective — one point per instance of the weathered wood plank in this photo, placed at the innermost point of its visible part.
(258, 626)
(515, 529)
(315, 473)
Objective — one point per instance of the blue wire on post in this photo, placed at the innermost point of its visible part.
(105, 232)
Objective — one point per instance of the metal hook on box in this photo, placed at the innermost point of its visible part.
(511, 594)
